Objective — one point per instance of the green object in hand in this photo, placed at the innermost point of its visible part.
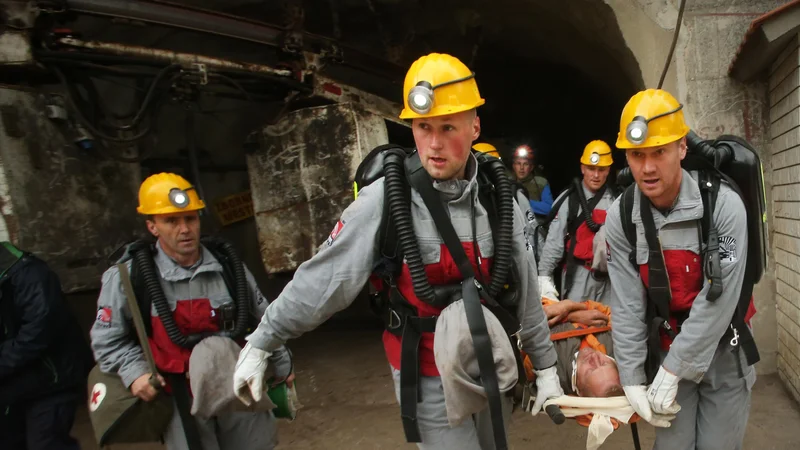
(285, 400)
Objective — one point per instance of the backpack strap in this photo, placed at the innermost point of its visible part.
(626, 217)
(423, 183)
(658, 289)
(578, 198)
(709, 189)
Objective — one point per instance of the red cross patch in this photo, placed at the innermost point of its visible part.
(96, 397)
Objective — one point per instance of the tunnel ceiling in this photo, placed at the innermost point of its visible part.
(555, 74)
(509, 34)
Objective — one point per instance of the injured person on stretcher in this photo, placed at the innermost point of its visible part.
(581, 334)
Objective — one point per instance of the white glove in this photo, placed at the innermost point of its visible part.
(248, 376)
(547, 387)
(663, 391)
(637, 397)
(547, 288)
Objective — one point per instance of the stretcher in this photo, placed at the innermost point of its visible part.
(600, 415)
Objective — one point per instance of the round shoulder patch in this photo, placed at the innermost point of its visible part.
(97, 396)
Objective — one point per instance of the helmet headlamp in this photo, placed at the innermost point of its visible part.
(179, 197)
(636, 131)
(421, 98)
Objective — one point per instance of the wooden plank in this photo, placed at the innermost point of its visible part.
(785, 123)
(790, 304)
(786, 52)
(788, 193)
(784, 106)
(787, 226)
(787, 259)
(790, 157)
(787, 324)
(784, 87)
(785, 141)
(789, 243)
(784, 68)
(788, 175)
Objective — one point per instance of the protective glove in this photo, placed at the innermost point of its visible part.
(663, 391)
(547, 387)
(637, 397)
(249, 373)
(547, 288)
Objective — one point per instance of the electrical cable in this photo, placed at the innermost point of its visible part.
(674, 42)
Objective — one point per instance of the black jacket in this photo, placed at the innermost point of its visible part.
(42, 349)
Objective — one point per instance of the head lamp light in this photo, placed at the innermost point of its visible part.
(179, 197)
(636, 131)
(421, 98)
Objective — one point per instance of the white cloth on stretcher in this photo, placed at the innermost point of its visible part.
(602, 410)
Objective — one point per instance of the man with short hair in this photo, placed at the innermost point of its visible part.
(703, 380)
(527, 174)
(440, 99)
(581, 334)
(196, 280)
(576, 228)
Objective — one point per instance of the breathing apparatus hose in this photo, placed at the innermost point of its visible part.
(399, 206)
(503, 252)
(241, 288)
(146, 267)
(400, 212)
(587, 215)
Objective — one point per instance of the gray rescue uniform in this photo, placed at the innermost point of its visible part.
(117, 350)
(332, 279)
(584, 285)
(715, 387)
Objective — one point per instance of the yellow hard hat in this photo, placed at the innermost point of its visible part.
(437, 85)
(489, 149)
(597, 153)
(167, 193)
(651, 118)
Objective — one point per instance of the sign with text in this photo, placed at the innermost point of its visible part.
(234, 208)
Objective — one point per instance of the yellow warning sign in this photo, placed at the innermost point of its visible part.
(234, 208)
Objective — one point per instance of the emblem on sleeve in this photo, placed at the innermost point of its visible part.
(103, 316)
(336, 230)
(727, 249)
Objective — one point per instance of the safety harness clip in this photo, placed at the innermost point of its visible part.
(735, 339)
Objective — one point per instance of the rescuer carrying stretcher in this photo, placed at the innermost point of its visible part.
(434, 228)
(683, 255)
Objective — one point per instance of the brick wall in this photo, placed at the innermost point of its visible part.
(784, 113)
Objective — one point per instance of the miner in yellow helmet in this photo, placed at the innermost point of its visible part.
(576, 238)
(699, 380)
(443, 248)
(193, 309)
(487, 148)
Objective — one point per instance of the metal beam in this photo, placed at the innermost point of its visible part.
(205, 21)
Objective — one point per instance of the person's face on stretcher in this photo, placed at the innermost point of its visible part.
(596, 375)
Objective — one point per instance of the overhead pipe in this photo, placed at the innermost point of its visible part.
(170, 57)
(212, 22)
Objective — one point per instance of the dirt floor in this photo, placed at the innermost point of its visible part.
(348, 403)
